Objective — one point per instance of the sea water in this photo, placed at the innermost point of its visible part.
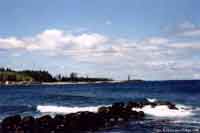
(38, 100)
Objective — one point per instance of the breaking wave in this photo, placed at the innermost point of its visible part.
(165, 111)
(157, 111)
(66, 110)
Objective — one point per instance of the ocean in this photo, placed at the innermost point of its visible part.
(38, 100)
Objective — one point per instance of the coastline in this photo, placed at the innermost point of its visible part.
(55, 83)
(27, 83)
(105, 117)
(65, 83)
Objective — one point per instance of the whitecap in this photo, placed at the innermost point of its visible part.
(164, 111)
(152, 100)
(66, 110)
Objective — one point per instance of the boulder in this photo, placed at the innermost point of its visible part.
(169, 104)
(105, 117)
(28, 124)
(131, 105)
(11, 124)
(45, 124)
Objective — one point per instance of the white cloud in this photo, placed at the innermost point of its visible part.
(186, 25)
(156, 40)
(89, 40)
(162, 55)
(16, 54)
(54, 40)
(191, 33)
(196, 76)
(186, 45)
(187, 29)
(11, 42)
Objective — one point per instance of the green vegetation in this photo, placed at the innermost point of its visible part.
(74, 78)
(14, 76)
(31, 76)
(7, 74)
(39, 76)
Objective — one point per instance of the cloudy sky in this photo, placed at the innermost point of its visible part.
(148, 39)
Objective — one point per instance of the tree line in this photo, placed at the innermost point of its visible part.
(7, 74)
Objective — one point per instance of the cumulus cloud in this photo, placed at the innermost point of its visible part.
(161, 55)
(11, 43)
(53, 40)
(192, 32)
(156, 40)
(186, 25)
(186, 45)
(187, 29)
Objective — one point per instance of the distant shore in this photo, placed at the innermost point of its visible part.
(9, 77)
(54, 83)
(63, 83)
(9, 83)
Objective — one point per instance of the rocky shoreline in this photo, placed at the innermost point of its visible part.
(106, 117)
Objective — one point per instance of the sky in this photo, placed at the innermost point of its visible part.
(146, 39)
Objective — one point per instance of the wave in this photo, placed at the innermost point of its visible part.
(156, 111)
(152, 100)
(187, 121)
(165, 111)
(66, 110)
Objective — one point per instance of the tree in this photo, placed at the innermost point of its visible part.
(73, 75)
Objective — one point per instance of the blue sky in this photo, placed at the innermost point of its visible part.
(153, 40)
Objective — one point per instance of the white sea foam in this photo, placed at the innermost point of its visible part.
(157, 111)
(151, 100)
(66, 110)
(187, 121)
(164, 111)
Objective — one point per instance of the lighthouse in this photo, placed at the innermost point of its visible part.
(129, 77)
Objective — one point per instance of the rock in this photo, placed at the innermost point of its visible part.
(28, 124)
(131, 105)
(83, 121)
(11, 124)
(103, 110)
(59, 119)
(118, 105)
(45, 124)
(106, 117)
(117, 109)
(59, 123)
(169, 104)
(141, 104)
(140, 114)
(104, 113)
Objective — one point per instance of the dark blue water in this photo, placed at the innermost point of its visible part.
(24, 100)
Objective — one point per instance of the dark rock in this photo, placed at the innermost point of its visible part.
(103, 110)
(59, 123)
(11, 123)
(143, 103)
(169, 104)
(45, 124)
(106, 117)
(131, 105)
(118, 105)
(117, 109)
(28, 124)
(83, 121)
